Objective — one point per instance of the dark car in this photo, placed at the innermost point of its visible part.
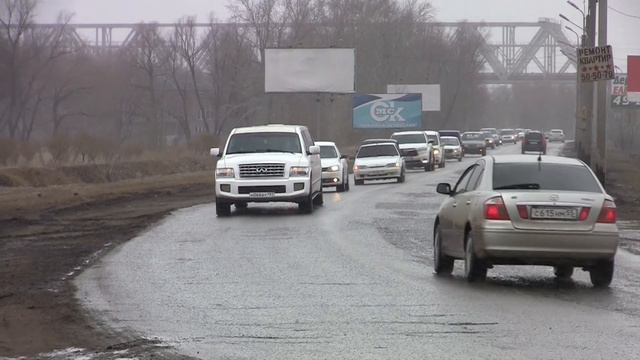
(473, 142)
(534, 141)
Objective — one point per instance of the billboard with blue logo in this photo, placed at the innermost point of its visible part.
(387, 111)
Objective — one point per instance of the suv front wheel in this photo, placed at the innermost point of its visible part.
(319, 199)
(223, 209)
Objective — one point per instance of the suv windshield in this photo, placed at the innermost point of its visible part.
(328, 152)
(472, 136)
(450, 141)
(507, 132)
(264, 142)
(410, 138)
(535, 176)
(433, 138)
(492, 131)
(377, 150)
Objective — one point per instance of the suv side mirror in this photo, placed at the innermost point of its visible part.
(314, 150)
(443, 188)
(431, 142)
(344, 156)
(215, 152)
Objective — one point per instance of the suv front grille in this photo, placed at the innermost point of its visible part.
(409, 152)
(261, 170)
(278, 189)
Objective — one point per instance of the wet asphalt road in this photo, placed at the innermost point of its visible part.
(352, 281)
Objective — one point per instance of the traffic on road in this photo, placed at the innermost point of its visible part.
(264, 281)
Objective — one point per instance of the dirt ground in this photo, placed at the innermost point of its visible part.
(49, 235)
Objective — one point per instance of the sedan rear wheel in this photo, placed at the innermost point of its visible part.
(602, 273)
(563, 272)
(474, 269)
(442, 264)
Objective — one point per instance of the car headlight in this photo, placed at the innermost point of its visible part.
(393, 164)
(436, 151)
(225, 173)
(299, 171)
(359, 167)
(334, 168)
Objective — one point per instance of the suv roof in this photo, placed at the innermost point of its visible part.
(379, 141)
(431, 132)
(407, 133)
(268, 128)
(325, 143)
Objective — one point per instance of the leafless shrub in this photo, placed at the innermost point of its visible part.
(60, 147)
(8, 151)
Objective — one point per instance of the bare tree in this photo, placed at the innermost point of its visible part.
(179, 80)
(148, 57)
(190, 49)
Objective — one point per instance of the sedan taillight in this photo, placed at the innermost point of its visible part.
(523, 210)
(584, 213)
(609, 213)
(494, 209)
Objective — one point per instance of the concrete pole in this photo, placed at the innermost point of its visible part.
(599, 151)
(587, 90)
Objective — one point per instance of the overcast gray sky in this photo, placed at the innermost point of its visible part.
(624, 32)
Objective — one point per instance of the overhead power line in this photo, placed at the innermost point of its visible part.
(624, 13)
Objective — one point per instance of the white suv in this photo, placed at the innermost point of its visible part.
(416, 149)
(271, 163)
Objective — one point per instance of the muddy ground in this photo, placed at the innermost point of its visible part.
(42, 249)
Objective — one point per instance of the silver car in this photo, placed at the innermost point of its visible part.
(527, 210)
(378, 161)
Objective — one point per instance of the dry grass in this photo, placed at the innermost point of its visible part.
(30, 201)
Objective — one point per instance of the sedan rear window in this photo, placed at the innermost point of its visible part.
(544, 176)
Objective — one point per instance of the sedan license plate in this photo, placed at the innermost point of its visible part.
(262, 195)
(554, 213)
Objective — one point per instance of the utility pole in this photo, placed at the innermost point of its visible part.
(599, 149)
(587, 91)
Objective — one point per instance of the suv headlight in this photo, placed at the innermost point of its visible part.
(394, 164)
(225, 173)
(299, 171)
(436, 151)
(334, 168)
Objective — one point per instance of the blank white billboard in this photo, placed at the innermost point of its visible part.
(309, 70)
(430, 94)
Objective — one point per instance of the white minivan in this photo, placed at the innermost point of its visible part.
(271, 163)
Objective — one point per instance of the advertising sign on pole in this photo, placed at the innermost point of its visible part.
(596, 63)
(387, 111)
(325, 70)
(633, 81)
(430, 94)
(619, 93)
